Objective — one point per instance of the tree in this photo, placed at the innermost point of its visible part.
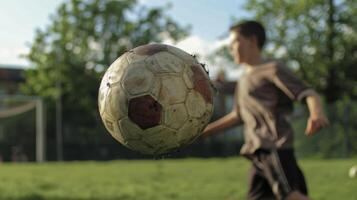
(71, 54)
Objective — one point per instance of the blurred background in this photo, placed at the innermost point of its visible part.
(54, 53)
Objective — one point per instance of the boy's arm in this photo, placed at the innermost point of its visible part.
(223, 123)
(317, 119)
(231, 119)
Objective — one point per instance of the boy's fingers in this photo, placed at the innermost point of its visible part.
(313, 126)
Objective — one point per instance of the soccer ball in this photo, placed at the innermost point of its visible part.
(352, 173)
(155, 99)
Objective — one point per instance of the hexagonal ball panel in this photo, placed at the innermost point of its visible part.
(130, 130)
(145, 111)
(150, 49)
(116, 102)
(141, 146)
(201, 83)
(156, 87)
(173, 90)
(137, 79)
(112, 127)
(163, 140)
(188, 131)
(116, 70)
(103, 93)
(195, 104)
(164, 62)
(155, 135)
(175, 116)
(133, 57)
(182, 54)
(188, 77)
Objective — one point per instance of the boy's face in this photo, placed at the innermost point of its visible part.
(240, 47)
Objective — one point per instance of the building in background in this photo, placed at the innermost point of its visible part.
(10, 79)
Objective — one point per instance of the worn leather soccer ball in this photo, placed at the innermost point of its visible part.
(155, 98)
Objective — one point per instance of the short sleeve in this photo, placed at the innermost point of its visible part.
(290, 84)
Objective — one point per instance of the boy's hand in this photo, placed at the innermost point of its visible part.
(315, 123)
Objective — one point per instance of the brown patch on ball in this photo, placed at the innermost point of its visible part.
(150, 49)
(145, 111)
(201, 83)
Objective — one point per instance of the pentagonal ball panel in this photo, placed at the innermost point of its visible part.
(137, 79)
(145, 111)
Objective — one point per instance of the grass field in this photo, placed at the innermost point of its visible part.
(186, 179)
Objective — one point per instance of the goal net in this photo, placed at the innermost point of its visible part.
(22, 118)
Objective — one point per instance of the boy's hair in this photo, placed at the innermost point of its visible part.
(249, 29)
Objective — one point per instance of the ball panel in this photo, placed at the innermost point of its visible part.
(137, 79)
(187, 78)
(141, 146)
(173, 90)
(156, 135)
(109, 125)
(149, 50)
(195, 104)
(165, 142)
(103, 94)
(156, 87)
(145, 111)
(117, 133)
(188, 131)
(202, 83)
(209, 107)
(165, 63)
(117, 103)
(132, 57)
(182, 54)
(129, 130)
(116, 70)
(175, 116)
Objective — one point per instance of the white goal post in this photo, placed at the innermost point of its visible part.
(31, 102)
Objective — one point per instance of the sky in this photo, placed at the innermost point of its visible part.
(209, 20)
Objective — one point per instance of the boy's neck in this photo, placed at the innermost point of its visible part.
(253, 62)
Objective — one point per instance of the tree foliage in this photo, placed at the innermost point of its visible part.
(70, 55)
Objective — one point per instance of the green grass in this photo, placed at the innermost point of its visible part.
(186, 179)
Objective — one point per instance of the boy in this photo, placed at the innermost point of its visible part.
(263, 99)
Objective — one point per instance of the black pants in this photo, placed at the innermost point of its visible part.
(274, 174)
